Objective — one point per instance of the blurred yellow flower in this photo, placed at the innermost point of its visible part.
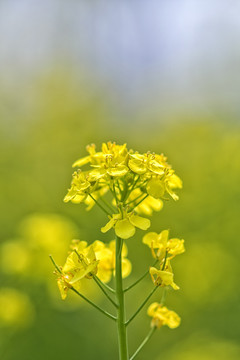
(16, 309)
(162, 316)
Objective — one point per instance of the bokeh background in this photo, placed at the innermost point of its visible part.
(161, 76)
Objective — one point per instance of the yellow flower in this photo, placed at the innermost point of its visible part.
(141, 164)
(80, 263)
(163, 277)
(158, 185)
(125, 227)
(159, 244)
(162, 316)
(105, 255)
(110, 161)
(78, 188)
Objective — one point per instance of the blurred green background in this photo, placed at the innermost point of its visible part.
(49, 113)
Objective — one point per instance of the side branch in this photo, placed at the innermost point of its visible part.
(104, 291)
(140, 308)
(141, 278)
(151, 332)
(94, 305)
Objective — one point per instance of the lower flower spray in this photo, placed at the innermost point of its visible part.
(137, 185)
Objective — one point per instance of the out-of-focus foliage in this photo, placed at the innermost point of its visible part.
(50, 132)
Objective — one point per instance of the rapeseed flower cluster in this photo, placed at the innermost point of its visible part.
(127, 186)
(138, 183)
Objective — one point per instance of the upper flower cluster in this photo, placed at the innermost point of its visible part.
(137, 182)
(149, 172)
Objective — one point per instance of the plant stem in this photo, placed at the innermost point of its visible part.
(122, 335)
(151, 332)
(136, 205)
(105, 285)
(104, 291)
(94, 305)
(165, 261)
(101, 207)
(140, 308)
(141, 278)
(111, 208)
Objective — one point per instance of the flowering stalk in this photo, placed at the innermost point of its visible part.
(122, 334)
(138, 184)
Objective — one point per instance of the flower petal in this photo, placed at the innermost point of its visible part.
(124, 229)
(119, 170)
(155, 188)
(108, 226)
(151, 239)
(140, 222)
(82, 161)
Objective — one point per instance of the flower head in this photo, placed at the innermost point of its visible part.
(163, 277)
(105, 256)
(162, 316)
(160, 244)
(123, 172)
(80, 263)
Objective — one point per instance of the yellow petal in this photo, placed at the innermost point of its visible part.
(104, 275)
(119, 170)
(152, 309)
(155, 188)
(137, 164)
(82, 161)
(63, 288)
(79, 198)
(96, 174)
(126, 267)
(175, 182)
(172, 194)
(72, 263)
(155, 167)
(140, 222)
(151, 239)
(71, 194)
(124, 229)
(108, 226)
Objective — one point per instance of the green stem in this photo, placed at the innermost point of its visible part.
(111, 208)
(151, 332)
(165, 260)
(141, 278)
(138, 197)
(94, 305)
(104, 291)
(140, 308)
(139, 202)
(105, 285)
(55, 265)
(131, 188)
(164, 294)
(122, 335)
(101, 207)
